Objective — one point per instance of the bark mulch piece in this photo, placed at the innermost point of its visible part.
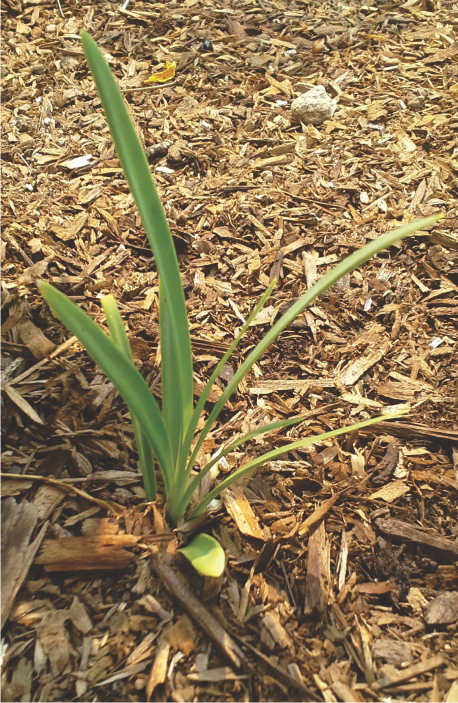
(342, 565)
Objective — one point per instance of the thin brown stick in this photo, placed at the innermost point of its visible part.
(204, 619)
(61, 348)
(148, 87)
(108, 505)
(282, 675)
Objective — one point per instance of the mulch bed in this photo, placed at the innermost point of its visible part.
(342, 559)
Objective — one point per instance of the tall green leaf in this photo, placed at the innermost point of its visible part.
(145, 452)
(198, 478)
(206, 392)
(121, 372)
(172, 400)
(138, 174)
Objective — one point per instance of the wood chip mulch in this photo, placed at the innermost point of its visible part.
(342, 559)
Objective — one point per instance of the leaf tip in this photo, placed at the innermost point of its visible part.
(42, 286)
(273, 282)
(86, 39)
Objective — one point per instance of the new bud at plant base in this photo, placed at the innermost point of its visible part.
(205, 554)
(165, 436)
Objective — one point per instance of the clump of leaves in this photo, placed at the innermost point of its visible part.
(166, 437)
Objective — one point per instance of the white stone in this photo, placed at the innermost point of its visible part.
(313, 107)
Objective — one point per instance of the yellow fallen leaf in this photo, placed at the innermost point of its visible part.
(165, 75)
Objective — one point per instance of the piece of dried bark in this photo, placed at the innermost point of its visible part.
(73, 227)
(276, 271)
(392, 651)
(79, 616)
(387, 465)
(445, 578)
(87, 554)
(158, 671)
(443, 55)
(318, 514)
(300, 386)
(309, 261)
(14, 488)
(408, 430)
(390, 492)
(143, 651)
(376, 588)
(152, 605)
(242, 513)
(46, 499)
(235, 28)
(410, 533)
(221, 673)
(271, 621)
(317, 573)
(359, 366)
(34, 339)
(345, 693)
(54, 639)
(18, 523)
(443, 610)
(416, 600)
(435, 693)
(183, 636)
(22, 403)
(409, 673)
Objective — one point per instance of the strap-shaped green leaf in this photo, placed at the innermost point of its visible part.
(121, 372)
(206, 392)
(172, 400)
(321, 286)
(274, 454)
(138, 174)
(116, 326)
(145, 452)
(197, 480)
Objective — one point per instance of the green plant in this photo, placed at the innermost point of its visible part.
(167, 437)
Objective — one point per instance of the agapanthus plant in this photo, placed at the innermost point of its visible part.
(166, 437)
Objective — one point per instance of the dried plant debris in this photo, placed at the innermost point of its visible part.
(342, 573)
(18, 524)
